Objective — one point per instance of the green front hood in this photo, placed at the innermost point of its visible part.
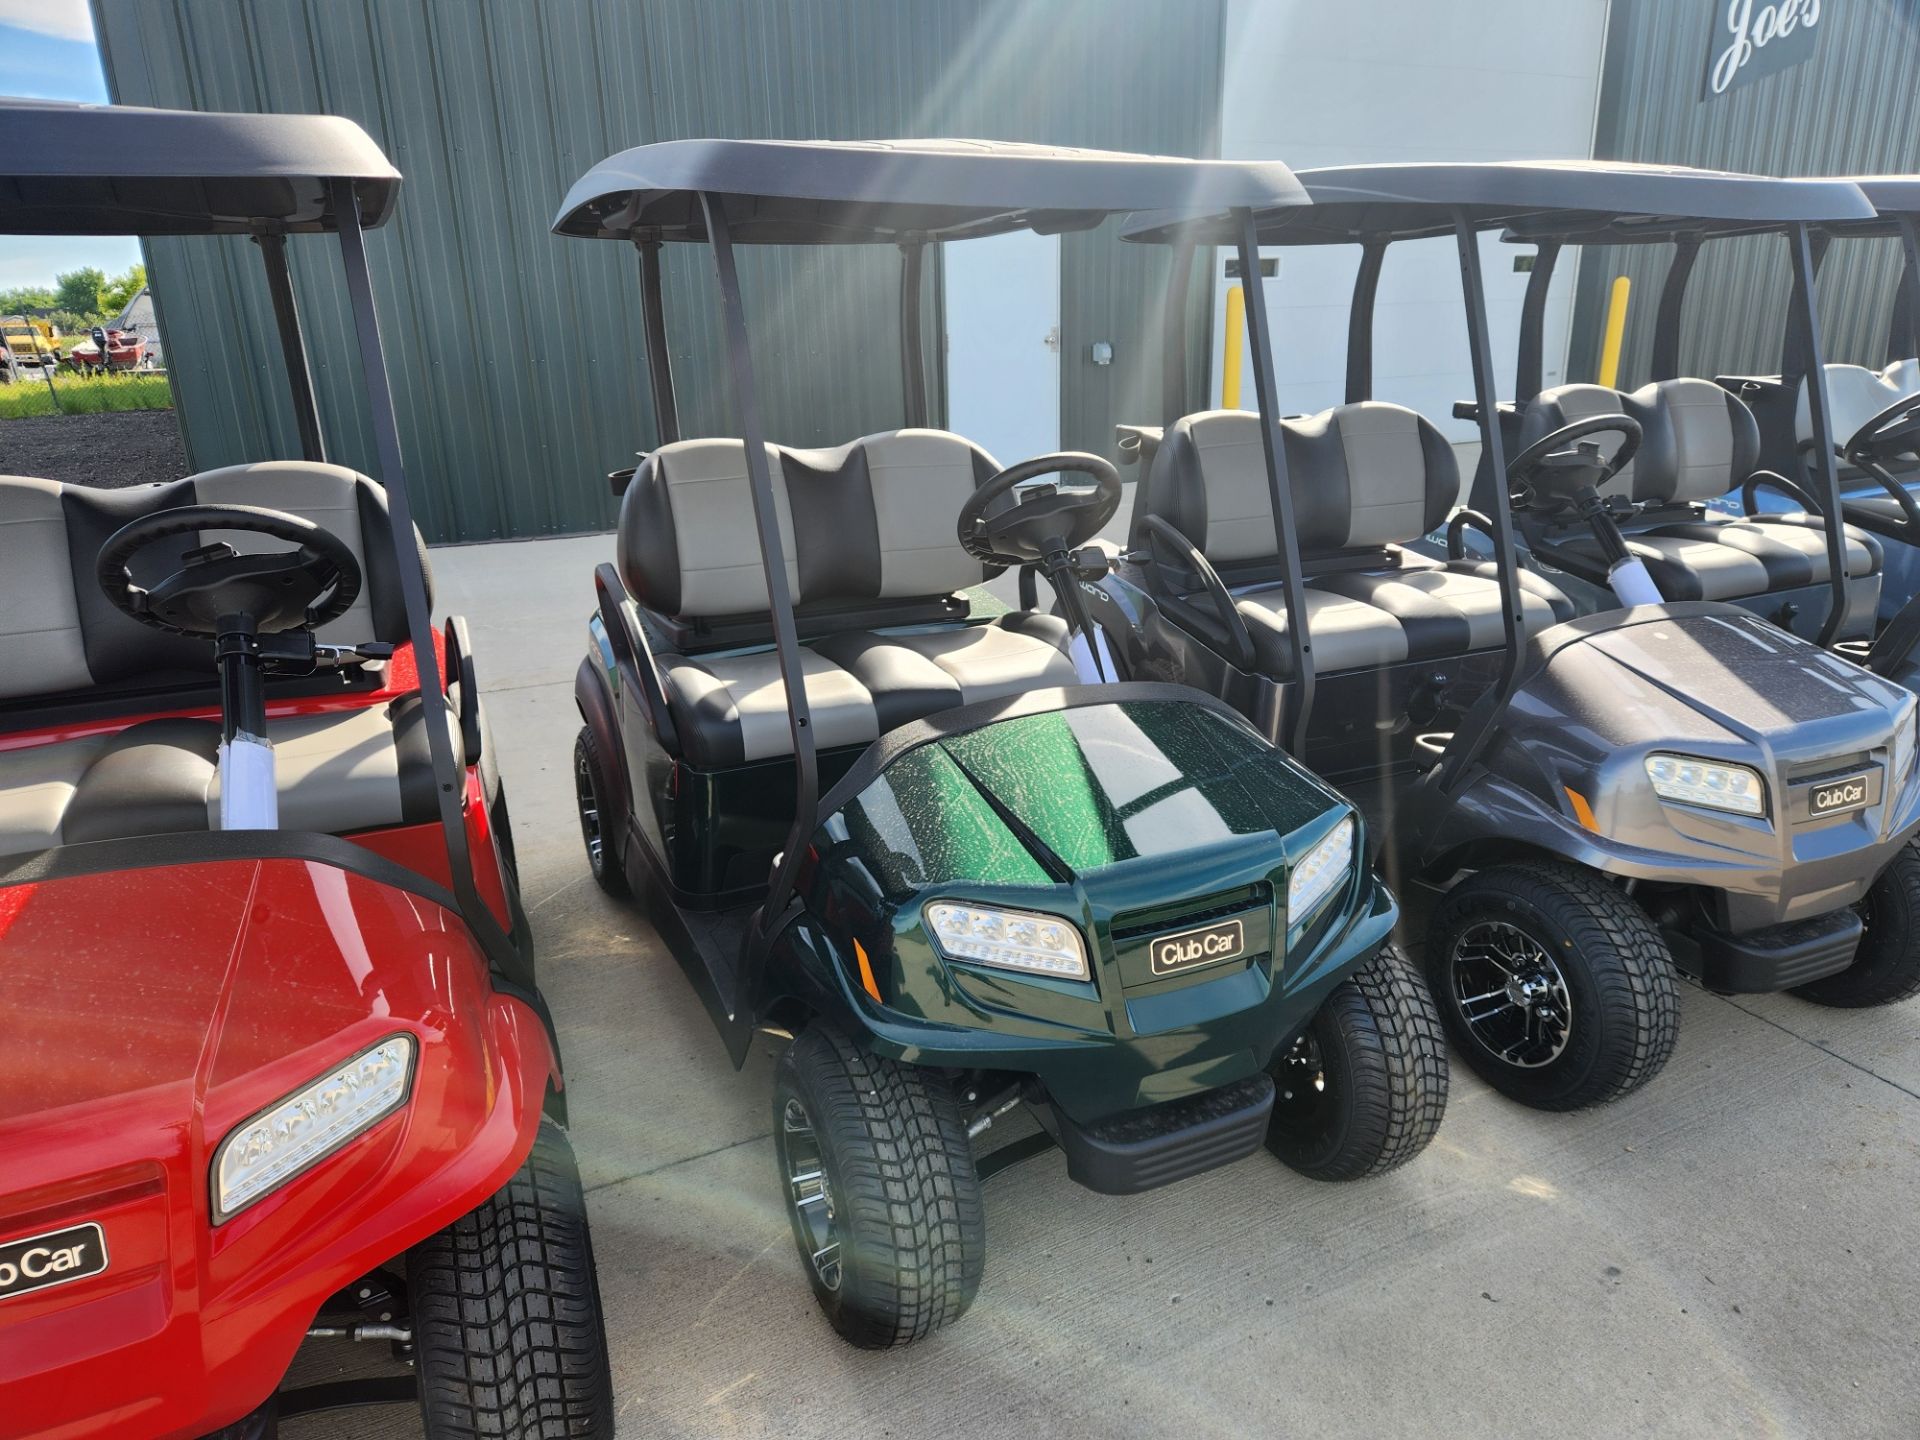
(1042, 799)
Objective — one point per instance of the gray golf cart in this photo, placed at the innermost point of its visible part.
(1582, 803)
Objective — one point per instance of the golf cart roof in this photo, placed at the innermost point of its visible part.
(1532, 199)
(825, 192)
(1891, 197)
(69, 169)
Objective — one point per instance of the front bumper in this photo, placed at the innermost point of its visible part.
(1211, 1034)
(1763, 962)
(1168, 1142)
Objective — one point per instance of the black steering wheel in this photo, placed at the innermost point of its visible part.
(1548, 469)
(302, 588)
(1893, 431)
(1044, 520)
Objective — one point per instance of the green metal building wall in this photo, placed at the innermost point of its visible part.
(516, 356)
(1852, 107)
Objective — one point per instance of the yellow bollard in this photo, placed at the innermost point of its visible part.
(1235, 342)
(1616, 331)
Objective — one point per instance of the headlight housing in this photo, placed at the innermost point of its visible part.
(1008, 939)
(293, 1134)
(1320, 871)
(1714, 784)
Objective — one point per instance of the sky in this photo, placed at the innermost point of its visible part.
(47, 53)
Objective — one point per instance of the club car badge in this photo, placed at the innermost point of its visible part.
(51, 1259)
(1190, 949)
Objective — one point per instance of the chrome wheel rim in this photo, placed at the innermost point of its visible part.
(589, 808)
(1300, 1084)
(1511, 995)
(809, 1197)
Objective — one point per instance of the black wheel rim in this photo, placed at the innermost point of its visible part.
(809, 1197)
(589, 803)
(1511, 995)
(1300, 1098)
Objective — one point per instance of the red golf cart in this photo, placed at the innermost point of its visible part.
(273, 1064)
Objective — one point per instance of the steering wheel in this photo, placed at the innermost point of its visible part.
(1044, 520)
(1548, 467)
(1893, 431)
(301, 588)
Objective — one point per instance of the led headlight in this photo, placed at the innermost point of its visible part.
(1709, 783)
(1008, 939)
(1320, 871)
(292, 1134)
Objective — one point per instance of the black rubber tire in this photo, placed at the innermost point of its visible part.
(590, 776)
(906, 1200)
(1383, 1063)
(1619, 974)
(508, 1335)
(1886, 967)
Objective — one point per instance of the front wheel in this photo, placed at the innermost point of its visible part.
(1363, 1087)
(880, 1187)
(1557, 988)
(507, 1325)
(1886, 968)
(590, 795)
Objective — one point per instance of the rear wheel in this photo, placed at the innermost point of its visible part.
(1886, 968)
(1556, 987)
(507, 1327)
(590, 792)
(880, 1188)
(1364, 1086)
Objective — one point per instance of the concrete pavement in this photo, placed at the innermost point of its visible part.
(1726, 1252)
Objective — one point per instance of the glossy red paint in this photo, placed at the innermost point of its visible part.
(144, 1015)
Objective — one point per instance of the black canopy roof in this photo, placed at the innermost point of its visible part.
(1572, 199)
(821, 192)
(70, 169)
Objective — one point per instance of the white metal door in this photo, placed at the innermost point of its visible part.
(1003, 343)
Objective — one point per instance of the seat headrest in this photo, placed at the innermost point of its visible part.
(874, 519)
(1697, 440)
(1362, 475)
(1855, 395)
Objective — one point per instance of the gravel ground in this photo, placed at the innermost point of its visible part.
(128, 447)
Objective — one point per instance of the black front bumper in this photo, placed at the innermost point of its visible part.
(1157, 1146)
(1779, 957)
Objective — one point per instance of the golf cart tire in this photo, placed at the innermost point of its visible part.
(1384, 1058)
(590, 778)
(508, 1333)
(1620, 978)
(1886, 968)
(906, 1197)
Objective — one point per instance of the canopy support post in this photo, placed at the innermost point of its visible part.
(653, 315)
(448, 776)
(913, 355)
(1903, 330)
(1279, 487)
(1529, 369)
(1477, 725)
(293, 345)
(1673, 293)
(1825, 465)
(1366, 285)
(786, 639)
(1173, 334)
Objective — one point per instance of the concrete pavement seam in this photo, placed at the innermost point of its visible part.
(1823, 1049)
(683, 1160)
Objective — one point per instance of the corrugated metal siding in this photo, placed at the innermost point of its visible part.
(516, 356)
(1853, 107)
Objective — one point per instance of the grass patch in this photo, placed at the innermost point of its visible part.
(85, 395)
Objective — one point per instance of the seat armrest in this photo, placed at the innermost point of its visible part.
(632, 654)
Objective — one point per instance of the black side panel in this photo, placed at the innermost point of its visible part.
(590, 694)
(119, 648)
(419, 803)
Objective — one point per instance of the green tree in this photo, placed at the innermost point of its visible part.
(81, 290)
(123, 288)
(27, 297)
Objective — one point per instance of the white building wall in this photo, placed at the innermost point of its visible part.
(1315, 83)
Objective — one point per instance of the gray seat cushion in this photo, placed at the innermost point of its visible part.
(338, 771)
(731, 709)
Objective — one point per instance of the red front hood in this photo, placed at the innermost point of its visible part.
(143, 1015)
